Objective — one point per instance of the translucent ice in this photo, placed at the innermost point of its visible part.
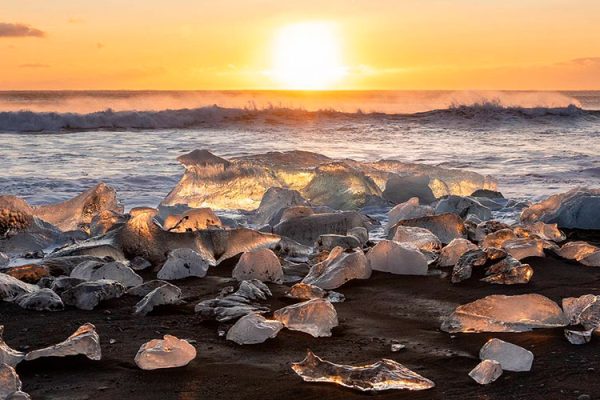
(465, 264)
(451, 253)
(84, 341)
(578, 337)
(306, 291)
(408, 210)
(183, 263)
(498, 238)
(577, 250)
(169, 352)
(421, 238)
(382, 375)
(446, 226)
(486, 372)
(463, 206)
(316, 317)
(524, 247)
(194, 219)
(166, 294)
(115, 271)
(499, 313)
(252, 329)
(339, 267)
(510, 356)
(273, 204)
(261, 264)
(230, 306)
(397, 258)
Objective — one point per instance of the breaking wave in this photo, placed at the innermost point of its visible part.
(489, 112)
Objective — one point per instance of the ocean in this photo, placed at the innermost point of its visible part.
(54, 145)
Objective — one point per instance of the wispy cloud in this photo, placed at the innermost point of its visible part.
(19, 30)
(34, 65)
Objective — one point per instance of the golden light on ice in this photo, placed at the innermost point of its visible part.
(307, 56)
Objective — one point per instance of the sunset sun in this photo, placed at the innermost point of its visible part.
(307, 56)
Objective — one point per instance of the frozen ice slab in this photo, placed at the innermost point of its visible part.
(252, 329)
(486, 372)
(382, 375)
(166, 294)
(261, 264)
(316, 317)
(510, 356)
(85, 341)
(577, 250)
(578, 337)
(339, 267)
(463, 206)
(9, 382)
(397, 258)
(499, 313)
(421, 238)
(114, 271)
(183, 263)
(524, 247)
(446, 226)
(8, 355)
(169, 352)
(408, 210)
(88, 295)
(41, 300)
(11, 288)
(451, 253)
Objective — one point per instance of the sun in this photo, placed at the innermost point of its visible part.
(307, 56)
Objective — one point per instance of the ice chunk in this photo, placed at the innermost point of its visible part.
(252, 329)
(463, 206)
(166, 294)
(546, 231)
(591, 260)
(382, 375)
(230, 306)
(508, 271)
(306, 230)
(574, 306)
(64, 283)
(524, 247)
(88, 295)
(498, 238)
(453, 251)
(408, 210)
(510, 356)
(41, 300)
(9, 382)
(273, 204)
(85, 341)
(4, 260)
(146, 287)
(305, 291)
(261, 264)
(399, 189)
(11, 288)
(114, 271)
(183, 263)
(139, 264)
(339, 267)
(576, 209)
(578, 337)
(446, 226)
(577, 250)
(499, 313)
(296, 212)
(8, 355)
(421, 238)
(360, 233)
(194, 219)
(316, 317)
(465, 264)
(396, 258)
(328, 242)
(486, 227)
(486, 372)
(170, 352)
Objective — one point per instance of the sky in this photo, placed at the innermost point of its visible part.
(233, 44)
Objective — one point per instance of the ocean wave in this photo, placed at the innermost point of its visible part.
(481, 113)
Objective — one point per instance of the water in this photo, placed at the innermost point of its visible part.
(535, 144)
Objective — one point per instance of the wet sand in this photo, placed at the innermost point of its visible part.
(384, 308)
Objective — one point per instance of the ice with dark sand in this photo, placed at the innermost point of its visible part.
(457, 265)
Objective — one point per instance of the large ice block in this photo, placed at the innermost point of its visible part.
(397, 258)
(316, 317)
(340, 267)
(261, 264)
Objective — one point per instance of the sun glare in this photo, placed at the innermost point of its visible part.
(307, 56)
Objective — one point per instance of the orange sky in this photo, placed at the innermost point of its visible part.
(228, 44)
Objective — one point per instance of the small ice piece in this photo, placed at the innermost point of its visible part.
(397, 258)
(485, 228)
(573, 307)
(339, 267)
(451, 253)
(382, 375)
(486, 372)
(578, 337)
(41, 300)
(87, 295)
(465, 264)
(169, 352)
(261, 264)
(546, 231)
(166, 294)
(498, 238)
(395, 347)
(335, 297)
(408, 210)
(510, 356)
(183, 263)
(463, 206)
(115, 271)
(499, 313)
(146, 287)
(421, 238)
(576, 250)
(252, 329)
(230, 306)
(524, 247)
(84, 341)
(11, 288)
(508, 271)
(9, 382)
(306, 291)
(8, 355)
(316, 317)
(329, 241)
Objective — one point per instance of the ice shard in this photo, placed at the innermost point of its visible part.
(316, 317)
(114, 271)
(85, 341)
(339, 267)
(261, 264)
(166, 294)
(8, 355)
(510, 356)
(486, 372)
(382, 375)
(252, 329)
(451, 253)
(169, 352)
(183, 263)
(397, 258)
(499, 313)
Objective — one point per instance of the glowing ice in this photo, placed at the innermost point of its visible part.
(577, 250)
(261, 264)
(382, 375)
(421, 238)
(508, 271)
(499, 313)
(84, 341)
(115, 271)
(252, 329)
(166, 294)
(486, 372)
(498, 238)
(183, 263)
(316, 317)
(524, 247)
(510, 356)
(446, 226)
(306, 291)
(396, 258)
(273, 204)
(463, 206)
(451, 253)
(170, 352)
(194, 219)
(339, 267)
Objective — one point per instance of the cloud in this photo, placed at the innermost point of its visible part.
(34, 65)
(19, 30)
